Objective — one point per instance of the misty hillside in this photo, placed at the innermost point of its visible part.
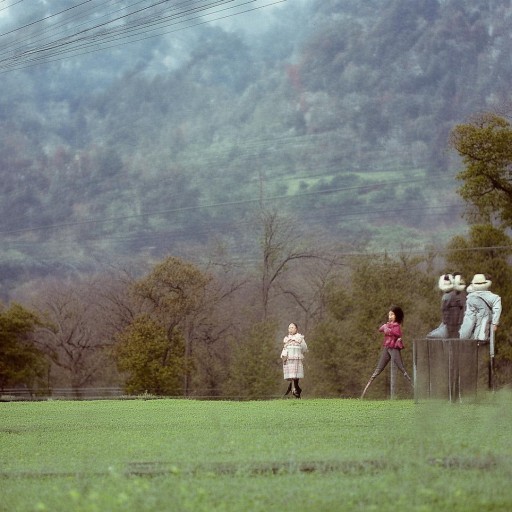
(335, 112)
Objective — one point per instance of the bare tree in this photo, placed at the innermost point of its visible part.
(308, 287)
(72, 336)
(118, 307)
(283, 252)
(214, 324)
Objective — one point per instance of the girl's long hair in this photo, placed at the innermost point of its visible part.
(399, 314)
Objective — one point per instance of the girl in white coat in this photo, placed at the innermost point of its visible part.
(292, 355)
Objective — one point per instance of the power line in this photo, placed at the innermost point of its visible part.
(11, 5)
(221, 230)
(114, 35)
(203, 206)
(42, 19)
(160, 182)
(80, 43)
(251, 150)
(58, 248)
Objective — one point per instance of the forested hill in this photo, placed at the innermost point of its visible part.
(336, 112)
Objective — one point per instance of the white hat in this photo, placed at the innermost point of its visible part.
(446, 283)
(458, 283)
(480, 282)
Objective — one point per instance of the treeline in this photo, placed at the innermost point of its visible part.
(215, 329)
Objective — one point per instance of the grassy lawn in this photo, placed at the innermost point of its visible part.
(149, 455)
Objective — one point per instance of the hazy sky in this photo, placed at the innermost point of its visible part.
(256, 17)
(90, 27)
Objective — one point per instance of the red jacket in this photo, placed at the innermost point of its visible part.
(392, 335)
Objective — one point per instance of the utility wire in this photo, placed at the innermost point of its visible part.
(286, 197)
(251, 150)
(42, 19)
(65, 45)
(100, 38)
(11, 5)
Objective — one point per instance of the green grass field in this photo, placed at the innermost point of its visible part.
(282, 455)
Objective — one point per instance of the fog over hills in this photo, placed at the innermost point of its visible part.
(129, 134)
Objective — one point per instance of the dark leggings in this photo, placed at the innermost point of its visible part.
(387, 355)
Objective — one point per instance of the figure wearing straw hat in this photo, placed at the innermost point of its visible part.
(482, 316)
(483, 310)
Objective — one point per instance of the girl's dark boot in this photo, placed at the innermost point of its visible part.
(296, 388)
(289, 389)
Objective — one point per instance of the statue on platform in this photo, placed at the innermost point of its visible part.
(483, 310)
(453, 305)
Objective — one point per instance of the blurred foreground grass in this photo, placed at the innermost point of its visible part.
(152, 455)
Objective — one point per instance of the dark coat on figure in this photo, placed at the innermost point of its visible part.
(453, 306)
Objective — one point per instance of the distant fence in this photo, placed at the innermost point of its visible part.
(113, 393)
(9, 394)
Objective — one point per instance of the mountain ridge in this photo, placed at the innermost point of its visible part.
(364, 90)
